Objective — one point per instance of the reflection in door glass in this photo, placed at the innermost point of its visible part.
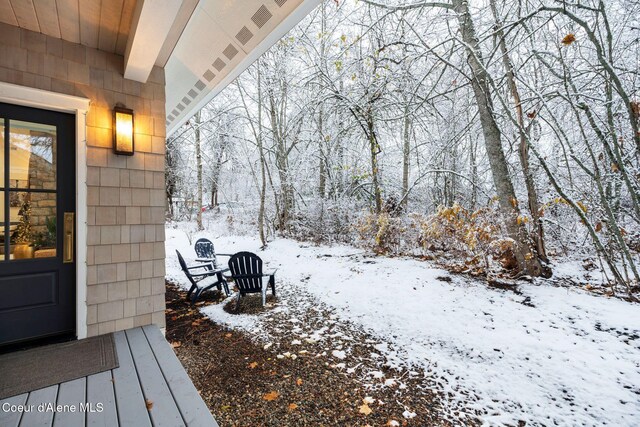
(32, 156)
(33, 225)
(2, 154)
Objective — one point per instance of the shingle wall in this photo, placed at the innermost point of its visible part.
(125, 195)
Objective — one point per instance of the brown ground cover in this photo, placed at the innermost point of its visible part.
(245, 384)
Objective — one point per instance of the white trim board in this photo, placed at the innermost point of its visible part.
(38, 98)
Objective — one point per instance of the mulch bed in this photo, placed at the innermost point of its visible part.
(245, 385)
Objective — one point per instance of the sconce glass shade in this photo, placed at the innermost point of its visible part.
(123, 131)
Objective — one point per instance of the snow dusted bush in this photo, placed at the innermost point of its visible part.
(473, 239)
(325, 221)
(389, 235)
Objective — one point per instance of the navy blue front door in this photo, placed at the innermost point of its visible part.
(37, 230)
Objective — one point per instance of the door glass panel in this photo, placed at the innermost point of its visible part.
(32, 224)
(2, 154)
(32, 156)
(2, 236)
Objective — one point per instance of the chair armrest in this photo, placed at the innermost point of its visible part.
(205, 274)
(193, 267)
(217, 254)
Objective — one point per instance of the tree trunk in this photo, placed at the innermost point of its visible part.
(523, 149)
(322, 179)
(169, 177)
(406, 160)
(374, 150)
(199, 169)
(474, 173)
(525, 254)
(282, 163)
(263, 187)
(340, 148)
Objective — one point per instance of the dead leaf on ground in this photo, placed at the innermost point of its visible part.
(228, 335)
(272, 395)
(176, 344)
(253, 365)
(364, 409)
(299, 381)
(292, 406)
(149, 404)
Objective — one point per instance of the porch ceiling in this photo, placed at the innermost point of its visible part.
(222, 39)
(202, 44)
(100, 24)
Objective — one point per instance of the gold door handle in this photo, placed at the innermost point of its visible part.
(67, 253)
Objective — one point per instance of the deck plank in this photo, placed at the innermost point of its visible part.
(164, 411)
(149, 370)
(12, 419)
(100, 391)
(132, 409)
(194, 412)
(71, 393)
(38, 417)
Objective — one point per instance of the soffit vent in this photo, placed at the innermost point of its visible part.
(192, 93)
(280, 3)
(175, 112)
(244, 35)
(230, 52)
(219, 64)
(180, 107)
(208, 75)
(261, 17)
(186, 101)
(200, 85)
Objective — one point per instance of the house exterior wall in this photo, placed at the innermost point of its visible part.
(125, 195)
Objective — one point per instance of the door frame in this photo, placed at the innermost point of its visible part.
(78, 106)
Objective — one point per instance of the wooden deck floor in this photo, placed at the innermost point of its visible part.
(149, 374)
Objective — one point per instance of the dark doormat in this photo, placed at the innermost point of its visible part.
(40, 367)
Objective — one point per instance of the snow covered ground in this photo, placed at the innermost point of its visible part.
(546, 356)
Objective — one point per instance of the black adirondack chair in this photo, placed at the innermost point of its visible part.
(199, 272)
(206, 252)
(247, 274)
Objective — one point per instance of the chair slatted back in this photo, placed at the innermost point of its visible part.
(246, 270)
(204, 249)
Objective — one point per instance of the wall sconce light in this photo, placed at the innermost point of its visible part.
(123, 143)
